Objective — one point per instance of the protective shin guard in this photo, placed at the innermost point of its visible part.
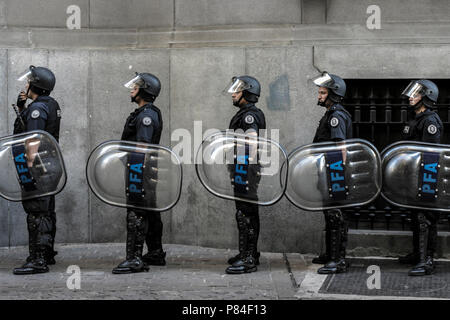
(337, 263)
(136, 231)
(35, 263)
(247, 262)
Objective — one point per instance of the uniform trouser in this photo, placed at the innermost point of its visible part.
(424, 227)
(247, 218)
(143, 226)
(41, 223)
(153, 238)
(336, 234)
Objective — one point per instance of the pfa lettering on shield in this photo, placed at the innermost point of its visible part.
(428, 190)
(336, 175)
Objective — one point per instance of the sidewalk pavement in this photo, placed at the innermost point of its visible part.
(191, 273)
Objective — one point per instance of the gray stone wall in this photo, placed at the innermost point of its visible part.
(195, 47)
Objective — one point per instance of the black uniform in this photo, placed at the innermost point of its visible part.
(335, 125)
(249, 117)
(143, 125)
(43, 114)
(426, 127)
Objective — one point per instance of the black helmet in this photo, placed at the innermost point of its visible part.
(248, 85)
(426, 88)
(333, 82)
(149, 85)
(41, 78)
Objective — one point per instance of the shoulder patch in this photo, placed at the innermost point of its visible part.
(35, 114)
(249, 119)
(432, 129)
(147, 121)
(334, 122)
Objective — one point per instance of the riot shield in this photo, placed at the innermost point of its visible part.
(331, 175)
(135, 175)
(31, 166)
(241, 167)
(417, 175)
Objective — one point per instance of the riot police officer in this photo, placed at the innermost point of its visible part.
(143, 125)
(425, 126)
(245, 91)
(335, 125)
(43, 113)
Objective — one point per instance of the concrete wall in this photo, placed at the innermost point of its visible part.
(195, 47)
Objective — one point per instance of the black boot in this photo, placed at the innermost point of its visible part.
(155, 258)
(242, 241)
(35, 265)
(35, 262)
(423, 268)
(241, 236)
(425, 265)
(131, 265)
(336, 263)
(136, 230)
(239, 257)
(247, 263)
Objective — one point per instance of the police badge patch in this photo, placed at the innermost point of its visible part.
(147, 121)
(334, 122)
(249, 119)
(432, 129)
(35, 114)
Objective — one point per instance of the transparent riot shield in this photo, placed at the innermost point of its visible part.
(242, 167)
(135, 175)
(417, 175)
(331, 175)
(31, 166)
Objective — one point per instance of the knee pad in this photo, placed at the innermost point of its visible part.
(132, 220)
(32, 222)
(335, 217)
(422, 221)
(241, 220)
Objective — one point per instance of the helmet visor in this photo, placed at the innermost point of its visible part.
(413, 89)
(324, 80)
(135, 82)
(236, 85)
(26, 76)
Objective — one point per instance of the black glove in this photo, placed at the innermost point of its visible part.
(20, 102)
